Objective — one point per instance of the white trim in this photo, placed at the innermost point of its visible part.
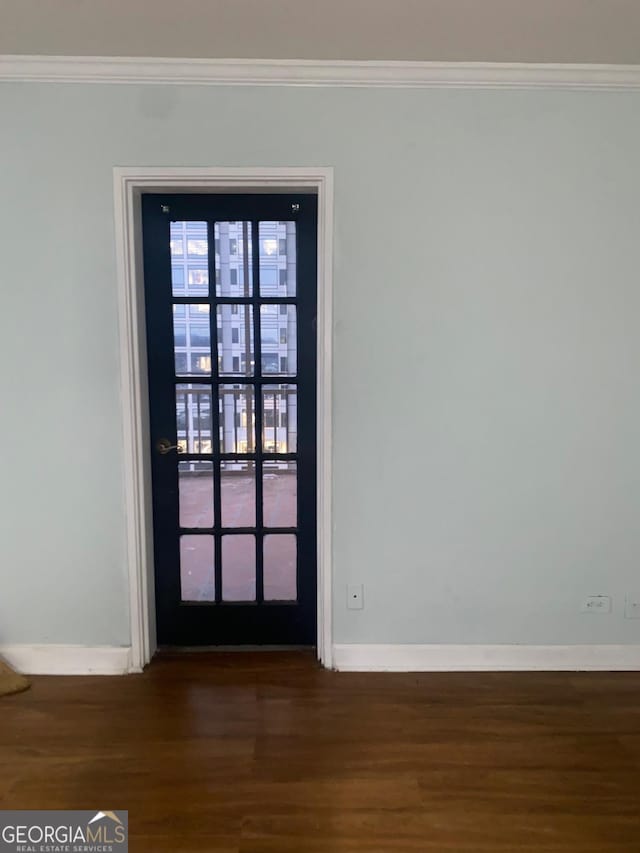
(129, 183)
(452, 658)
(325, 419)
(298, 72)
(135, 425)
(68, 660)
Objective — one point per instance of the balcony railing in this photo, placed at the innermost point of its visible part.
(236, 426)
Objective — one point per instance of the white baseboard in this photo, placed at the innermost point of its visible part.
(68, 659)
(355, 657)
(452, 658)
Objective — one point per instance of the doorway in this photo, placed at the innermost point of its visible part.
(230, 304)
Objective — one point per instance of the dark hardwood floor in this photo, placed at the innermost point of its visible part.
(267, 753)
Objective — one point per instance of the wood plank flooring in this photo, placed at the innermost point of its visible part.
(267, 753)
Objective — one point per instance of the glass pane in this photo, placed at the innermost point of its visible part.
(239, 568)
(235, 340)
(280, 567)
(279, 418)
(238, 493)
(236, 406)
(278, 337)
(197, 576)
(189, 258)
(277, 258)
(195, 484)
(234, 259)
(280, 494)
(192, 340)
(193, 418)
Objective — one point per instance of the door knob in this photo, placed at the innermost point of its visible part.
(164, 446)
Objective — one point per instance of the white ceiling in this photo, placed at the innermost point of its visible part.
(568, 31)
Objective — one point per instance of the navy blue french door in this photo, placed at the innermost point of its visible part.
(230, 297)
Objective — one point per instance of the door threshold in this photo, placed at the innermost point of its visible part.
(246, 648)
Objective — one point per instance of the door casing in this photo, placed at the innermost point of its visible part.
(129, 183)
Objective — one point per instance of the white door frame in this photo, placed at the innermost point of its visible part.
(129, 183)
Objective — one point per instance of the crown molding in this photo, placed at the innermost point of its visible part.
(267, 72)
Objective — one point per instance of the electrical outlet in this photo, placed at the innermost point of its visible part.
(355, 596)
(596, 604)
(632, 607)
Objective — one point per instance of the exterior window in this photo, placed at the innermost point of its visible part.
(283, 309)
(234, 309)
(233, 246)
(233, 276)
(200, 362)
(180, 335)
(270, 363)
(283, 336)
(283, 364)
(199, 336)
(197, 247)
(236, 364)
(235, 336)
(199, 276)
(283, 278)
(282, 246)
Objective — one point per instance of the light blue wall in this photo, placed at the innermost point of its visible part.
(487, 303)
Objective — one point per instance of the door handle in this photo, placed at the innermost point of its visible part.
(164, 446)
